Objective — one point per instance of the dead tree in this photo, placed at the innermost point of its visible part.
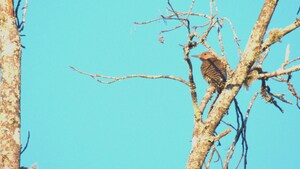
(249, 67)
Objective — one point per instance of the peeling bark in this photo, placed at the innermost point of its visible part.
(10, 88)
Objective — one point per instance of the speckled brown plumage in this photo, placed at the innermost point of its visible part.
(213, 70)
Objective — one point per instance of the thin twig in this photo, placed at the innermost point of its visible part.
(219, 156)
(208, 95)
(202, 38)
(279, 72)
(294, 60)
(115, 79)
(235, 37)
(266, 93)
(245, 122)
(186, 51)
(219, 26)
(172, 9)
(172, 29)
(293, 91)
(238, 134)
(263, 57)
(187, 17)
(169, 17)
(17, 11)
(213, 102)
(210, 157)
(22, 24)
(27, 142)
(218, 137)
(228, 124)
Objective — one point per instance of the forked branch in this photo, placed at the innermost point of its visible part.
(276, 34)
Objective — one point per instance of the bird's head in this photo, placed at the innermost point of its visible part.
(205, 56)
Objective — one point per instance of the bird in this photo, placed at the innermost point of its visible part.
(213, 70)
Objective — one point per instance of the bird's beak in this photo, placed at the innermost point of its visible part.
(195, 56)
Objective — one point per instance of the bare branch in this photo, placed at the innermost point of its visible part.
(263, 57)
(210, 158)
(172, 29)
(266, 93)
(238, 134)
(218, 137)
(224, 60)
(115, 79)
(180, 19)
(176, 16)
(219, 26)
(250, 106)
(27, 142)
(208, 47)
(279, 72)
(214, 150)
(21, 24)
(276, 75)
(208, 95)
(235, 37)
(228, 124)
(17, 11)
(171, 17)
(293, 91)
(276, 34)
(281, 97)
(294, 60)
(197, 112)
(213, 102)
(202, 38)
(34, 166)
(187, 17)
(219, 156)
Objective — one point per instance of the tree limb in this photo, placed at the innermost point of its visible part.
(279, 72)
(238, 134)
(218, 137)
(170, 17)
(116, 79)
(276, 34)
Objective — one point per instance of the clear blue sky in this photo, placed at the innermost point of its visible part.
(76, 122)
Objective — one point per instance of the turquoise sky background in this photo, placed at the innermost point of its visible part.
(76, 122)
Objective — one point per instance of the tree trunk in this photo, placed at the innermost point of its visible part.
(10, 54)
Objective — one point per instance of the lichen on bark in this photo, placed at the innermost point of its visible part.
(10, 88)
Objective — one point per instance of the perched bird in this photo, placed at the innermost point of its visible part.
(213, 70)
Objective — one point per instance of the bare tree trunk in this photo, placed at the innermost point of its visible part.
(10, 87)
(203, 131)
